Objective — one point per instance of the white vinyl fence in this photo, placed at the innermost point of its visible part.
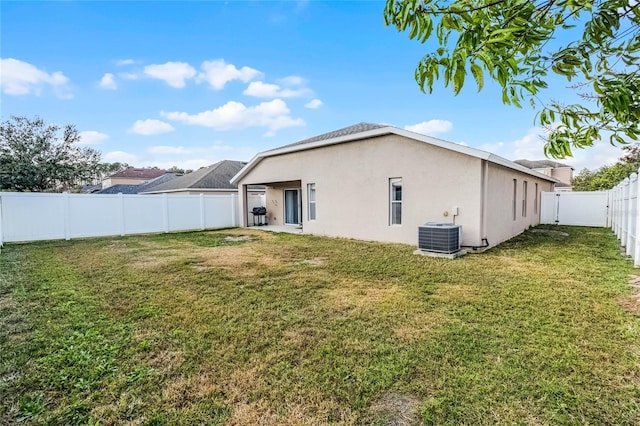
(574, 208)
(623, 215)
(617, 208)
(38, 216)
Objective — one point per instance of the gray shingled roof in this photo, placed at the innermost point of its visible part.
(137, 173)
(215, 176)
(136, 189)
(351, 130)
(540, 164)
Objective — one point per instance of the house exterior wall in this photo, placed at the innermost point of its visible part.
(352, 188)
(499, 213)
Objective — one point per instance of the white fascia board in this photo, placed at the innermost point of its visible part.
(473, 152)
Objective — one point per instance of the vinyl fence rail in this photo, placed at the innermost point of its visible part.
(38, 216)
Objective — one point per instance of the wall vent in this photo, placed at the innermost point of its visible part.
(440, 237)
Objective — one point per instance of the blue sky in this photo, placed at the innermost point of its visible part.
(190, 83)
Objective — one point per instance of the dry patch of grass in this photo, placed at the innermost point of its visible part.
(356, 296)
(395, 410)
(423, 325)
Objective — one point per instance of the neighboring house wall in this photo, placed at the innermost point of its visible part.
(499, 214)
(563, 174)
(352, 188)
(122, 181)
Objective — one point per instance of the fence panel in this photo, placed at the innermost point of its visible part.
(574, 208)
(143, 214)
(93, 216)
(33, 217)
(37, 216)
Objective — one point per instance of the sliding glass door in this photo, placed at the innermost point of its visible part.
(292, 206)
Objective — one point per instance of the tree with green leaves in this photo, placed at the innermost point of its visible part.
(40, 157)
(516, 44)
(607, 177)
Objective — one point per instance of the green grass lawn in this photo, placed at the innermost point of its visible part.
(288, 329)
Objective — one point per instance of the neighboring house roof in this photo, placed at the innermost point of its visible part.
(213, 177)
(136, 173)
(90, 189)
(136, 189)
(367, 130)
(541, 164)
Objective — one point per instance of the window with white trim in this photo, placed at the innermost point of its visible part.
(311, 201)
(395, 201)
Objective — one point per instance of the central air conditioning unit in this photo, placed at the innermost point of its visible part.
(440, 237)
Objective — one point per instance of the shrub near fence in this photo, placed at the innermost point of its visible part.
(38, 216)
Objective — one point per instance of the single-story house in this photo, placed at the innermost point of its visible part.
(562, 172)
(379, 182)
(210, 180)
(133, 176)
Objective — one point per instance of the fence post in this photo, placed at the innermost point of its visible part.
(121, 213)
(633, 184)
(619, 209)
(612, 210)
(625, 212)
(66, 213)
(165, 212)
(202, 215)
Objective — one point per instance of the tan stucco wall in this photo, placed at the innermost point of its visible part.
(500, 225)
(352, 188)
(563, 174)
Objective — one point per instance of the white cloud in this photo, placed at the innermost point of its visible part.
(121, 62)
(173, 73)
(292, 80)
(531, 147)
(91, 137)
(260, 89)
(21, 78)
(108, 81)
(430, 127)
(314, 104)
(218, 73)
(120, 157)
(273, 115)
(151, 127)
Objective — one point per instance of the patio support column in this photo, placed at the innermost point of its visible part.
(242, 206)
